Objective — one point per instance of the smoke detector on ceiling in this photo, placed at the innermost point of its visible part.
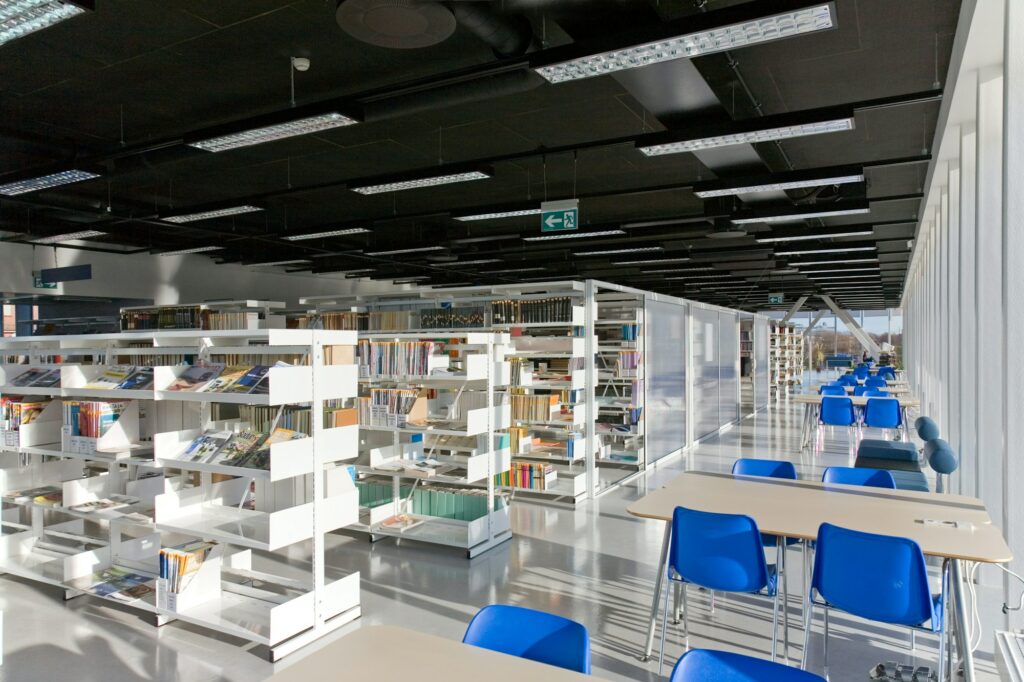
(396, 24)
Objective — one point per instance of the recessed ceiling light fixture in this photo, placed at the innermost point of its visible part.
(420, 182)
(276, 131)
(508, 270)
(498, 214)
(677, 271)
(778, 182)
(410, 280)
(43, 181)
(20, 17)
(328, 233)
(652, 261)
(819, 278)
(198, 249)
(831, 262)
(612, 252)
(478, 261)
(739, 32)
(296, 261)
(831, 270)
(574, 235)
(209, 215)
(395, 252)
(815, 251)
(800, 213)
(749, 131)
(53, 239)
(813, 235)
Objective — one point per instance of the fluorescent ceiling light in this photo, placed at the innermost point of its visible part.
(328, 233)
(410, 280)
(677, 271)
(778, 186)
(829, 262)
(479, 261)
(297, 261)
(207, 215)
(831, 270)
(393, 252)
(653, 261)
(612, 252)
(518, 270)
(417, 183)
(44, 181)
(818, 278)
(356, 272)
(198, 249)
(814, 251)
(20, 17)
(270, 133)
(800, 216)
(710, 41)
(809, 235)
(487, 238)
(53, 239)
(574, 235)
(499, 214)
(750, 137)
(702, 277)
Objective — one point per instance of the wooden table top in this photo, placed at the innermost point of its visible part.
(797, 508)
(858, 400)
(389, 653)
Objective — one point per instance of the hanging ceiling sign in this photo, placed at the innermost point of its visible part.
(776, 298)
(560, 216)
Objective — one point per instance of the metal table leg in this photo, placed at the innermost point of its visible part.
(806, 426)
(662, 567)
(960, 606)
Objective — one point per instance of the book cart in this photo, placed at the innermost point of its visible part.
(250, 584)
(550, 342)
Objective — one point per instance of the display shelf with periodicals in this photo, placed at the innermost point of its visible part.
(429, 420)
(621, 381)
(214, 482)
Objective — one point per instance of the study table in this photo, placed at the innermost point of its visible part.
(795, 509)
(387, 652)
(812, 402)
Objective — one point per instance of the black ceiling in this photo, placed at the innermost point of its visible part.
(118, 90)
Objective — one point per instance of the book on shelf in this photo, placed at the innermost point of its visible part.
(398, 358)
(139, 380)
(92, 418)
(120, 584)
(196, 377)
(180, 563)
(229, 375)
(204, 447)
(258, 456)
(541, 407)
(25, 495)
(248, 381)
(112, 377)
(527, 475)
(37, 377)
(16, 412)
(545, 310)
(110, 503)
(238, 447)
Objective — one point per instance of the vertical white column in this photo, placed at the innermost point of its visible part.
(989, 278)
(1013, 284)
(968, 472)
(951, 330)
(941, 337)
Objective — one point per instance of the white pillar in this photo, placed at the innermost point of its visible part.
(1013, 285)
(941, 308)
(951, 331)
(989, 278)
(968, 472)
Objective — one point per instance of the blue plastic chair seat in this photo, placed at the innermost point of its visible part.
(535, 635)
(837, 411)
(706, 665)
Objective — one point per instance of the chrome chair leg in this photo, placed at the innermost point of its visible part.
(825, 609)
(775, 621)
(785, 600)
(809, 615)
(686, 621)
(675, 601)
(664, 630)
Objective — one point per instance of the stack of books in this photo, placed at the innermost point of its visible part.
(397, 358)
(37, 377)
(527, 475)
(535, 408)
(178, 564)
(16, 412)
(558, 309)
(92, 418)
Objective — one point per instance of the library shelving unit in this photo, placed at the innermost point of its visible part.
(429, 415)
(747, 361)
(620, 385)
(91, 503)
(785, 357)
(209, 315)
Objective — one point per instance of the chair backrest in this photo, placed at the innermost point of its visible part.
(723, 666)
(837, 411)
(770, 468)
(832, 390)
(718, 551)
(870, 478)
(848, 380)
(860, 390)
(536, 635)
(880, 577)
(875, 382)
(887, 372)
(883, 413)
(875, 393)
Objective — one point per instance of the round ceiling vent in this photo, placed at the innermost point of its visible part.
(397, 24)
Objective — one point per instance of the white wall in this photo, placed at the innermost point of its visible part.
(168, 279)
(964, 298)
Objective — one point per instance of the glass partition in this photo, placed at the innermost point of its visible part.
(705, 371)
(666, 378)
(728, 368)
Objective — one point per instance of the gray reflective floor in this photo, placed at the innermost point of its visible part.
(596, 565)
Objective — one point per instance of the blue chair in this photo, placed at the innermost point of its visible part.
(875, 393)
(877, 577)
(886, 372)
(870, 478)
(707, 665)
(859, 390)
(848, 380)
(876, 382)
(769, 468)
(883, 413)
(837, 411)
(536, 635)
(718, 552)
(832, 390)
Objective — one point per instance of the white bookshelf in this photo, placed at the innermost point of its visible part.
(267, 580)
(785, 358)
